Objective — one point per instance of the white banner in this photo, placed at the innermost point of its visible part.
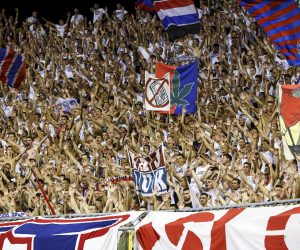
(234, 229)
(157, 92)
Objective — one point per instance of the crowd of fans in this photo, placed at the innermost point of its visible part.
(229, 152)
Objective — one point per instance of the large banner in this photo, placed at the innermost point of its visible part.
(149, 173)
(233, 229)
(90, 233)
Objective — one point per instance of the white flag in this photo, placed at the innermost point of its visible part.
(157, 92)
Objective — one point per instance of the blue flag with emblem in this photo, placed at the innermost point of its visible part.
(183, 86)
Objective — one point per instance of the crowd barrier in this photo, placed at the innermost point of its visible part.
(270, 225)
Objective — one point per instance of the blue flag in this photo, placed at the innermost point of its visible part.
(183, 86)
(146, 5)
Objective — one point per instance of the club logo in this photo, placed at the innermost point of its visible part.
(157, 92)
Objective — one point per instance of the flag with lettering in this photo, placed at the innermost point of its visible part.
(179, 17)
(281, 21)
(12, 68)
(149, 173)
(183, 86)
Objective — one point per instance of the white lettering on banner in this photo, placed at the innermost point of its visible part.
(234, 229)
(159, 180)
(146, 182)
(136, 180)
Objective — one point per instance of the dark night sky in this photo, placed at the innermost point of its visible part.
(56, 9)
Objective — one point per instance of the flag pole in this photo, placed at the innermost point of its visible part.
(131, 165)
(43, 193)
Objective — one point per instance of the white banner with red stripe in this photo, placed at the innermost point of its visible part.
(234, 229)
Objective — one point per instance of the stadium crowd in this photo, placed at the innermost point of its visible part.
(229, 152)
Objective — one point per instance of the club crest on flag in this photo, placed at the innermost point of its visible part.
(157, 92)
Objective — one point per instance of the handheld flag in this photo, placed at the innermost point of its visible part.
(149, 172)
(157, 92)
(289, 104)
(183, 86)
(12, 68)
(281, 21)
(179, 17)
(146, 5)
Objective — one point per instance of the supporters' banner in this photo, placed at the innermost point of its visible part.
(67, 103)
(183, 86)
(146, 5)
(149, 173)
(289, 104)
(12, 68)
(48, 234)
(281, 21)
(240, 228)
(179, 17)
(157, 92)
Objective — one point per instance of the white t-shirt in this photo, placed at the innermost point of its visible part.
(31, 20)
(76, 19)
(60, 29)
(120, 13)
(98, 14)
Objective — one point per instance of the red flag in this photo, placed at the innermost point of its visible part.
(290, 104)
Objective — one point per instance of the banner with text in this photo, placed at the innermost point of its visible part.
(149, 173)
(237, 228)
